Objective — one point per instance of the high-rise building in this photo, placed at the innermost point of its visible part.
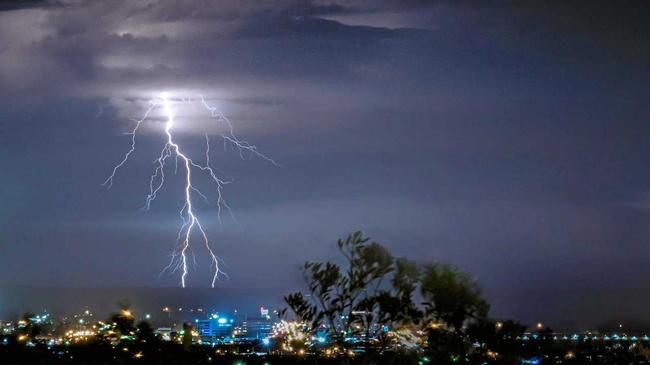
(256, 328)
(214, 328)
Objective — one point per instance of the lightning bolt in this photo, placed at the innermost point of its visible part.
(190, 223)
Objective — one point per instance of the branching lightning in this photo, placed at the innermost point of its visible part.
(190, 223)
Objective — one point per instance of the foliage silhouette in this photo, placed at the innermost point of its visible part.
(372, 292)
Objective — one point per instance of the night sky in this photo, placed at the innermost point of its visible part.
(511, 140)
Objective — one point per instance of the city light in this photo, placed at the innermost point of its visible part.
(126, 313)
(289, 337)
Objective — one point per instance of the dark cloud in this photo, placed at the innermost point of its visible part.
(7, 5)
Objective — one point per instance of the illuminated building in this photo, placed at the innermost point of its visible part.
(214, 328)
(256, 328)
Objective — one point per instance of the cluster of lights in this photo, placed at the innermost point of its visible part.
(406, 337)
(288, 337)
(78, 336)
(7, 328)
(291, 335)
(336, 351)
(292, 338)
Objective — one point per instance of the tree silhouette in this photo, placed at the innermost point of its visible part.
(451, 297)
(30, 327)
(352, 300)
(499, 338)
(187, 336)
(123, 320)
(373, 293)
(145, 333)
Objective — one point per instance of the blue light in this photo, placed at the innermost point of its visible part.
(266, 341)
(532, 361)
(321, 339)
(222, 320)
